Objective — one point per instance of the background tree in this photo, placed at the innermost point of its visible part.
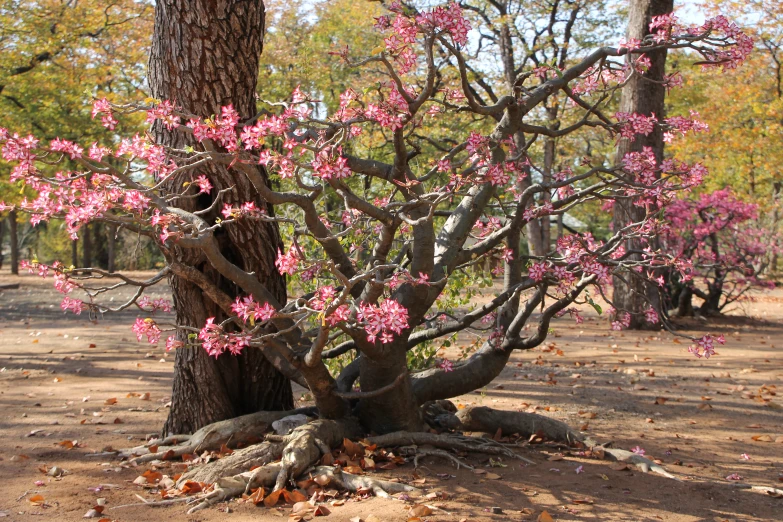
(644, 94)
(54, 56)
(205, 56)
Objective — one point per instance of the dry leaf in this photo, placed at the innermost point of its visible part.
(661, 400)
(111, 401)
(545, 517)
(36, 499)
(588, 414)
(152, 476)
(353, 450)
(762, 438)
(419, 510)
(493, 476)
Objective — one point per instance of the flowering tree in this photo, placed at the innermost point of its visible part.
(725, 244)
(380, 221)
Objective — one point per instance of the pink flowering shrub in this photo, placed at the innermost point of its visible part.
(374, 273)
(722, 249)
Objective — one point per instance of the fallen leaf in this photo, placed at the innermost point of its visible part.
(419, 510)
(36, 499)
(353, 450)
(111, 401)
(152, 476)
(762, 438)
(492, 476)
(545, 517)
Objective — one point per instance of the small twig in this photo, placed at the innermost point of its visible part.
(439, 453)
(153, 503)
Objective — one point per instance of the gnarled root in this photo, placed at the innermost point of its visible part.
(300, 450)
(481, 418)
(353, 483)
(234, 464)
(445, 441)
(247, 429)
(485, 419)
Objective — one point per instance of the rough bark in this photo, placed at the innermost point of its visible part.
(13, 239)
(395, 410)
(205, 56)
(643, 94)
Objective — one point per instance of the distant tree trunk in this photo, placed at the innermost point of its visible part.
(13, 239)
(2, 233)
(643, 94)
(86, 234)
(75, 252)
(111, 242)
(205, 56)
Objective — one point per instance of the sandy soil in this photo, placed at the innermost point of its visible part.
(60, 375)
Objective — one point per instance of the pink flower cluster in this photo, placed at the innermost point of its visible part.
(705, 347)
(164, 112)
(103, 107)
(249, 310)
(383, 320)
(146, 327)
(221, 129)
(215, 341)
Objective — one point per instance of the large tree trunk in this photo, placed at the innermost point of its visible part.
(13, 239)
(643, 94)
(205, 56)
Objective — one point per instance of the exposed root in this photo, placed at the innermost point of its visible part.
(353, 483)
(485, 419)
(229, 487)
(234, 464)
(643, 463)
(244, 430)
(301, 449)
(446, 441)
(481, 418)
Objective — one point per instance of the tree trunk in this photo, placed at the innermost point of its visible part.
(205, 56)
(86, 234)
(643, 94)
(13, 239)
(75, 252)
(111, 242)
(2, 233)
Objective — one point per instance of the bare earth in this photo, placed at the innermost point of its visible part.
(60, 375)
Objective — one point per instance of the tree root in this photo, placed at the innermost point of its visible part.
(300, 450)
(481, 418)
(485, 419)
(446, 441)
(354, 483)
(247, 429)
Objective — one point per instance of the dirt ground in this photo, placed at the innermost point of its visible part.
(67, 378)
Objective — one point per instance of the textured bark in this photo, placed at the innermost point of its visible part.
(13, 239)
(205, 56)
(395, 410)
(641, 95)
